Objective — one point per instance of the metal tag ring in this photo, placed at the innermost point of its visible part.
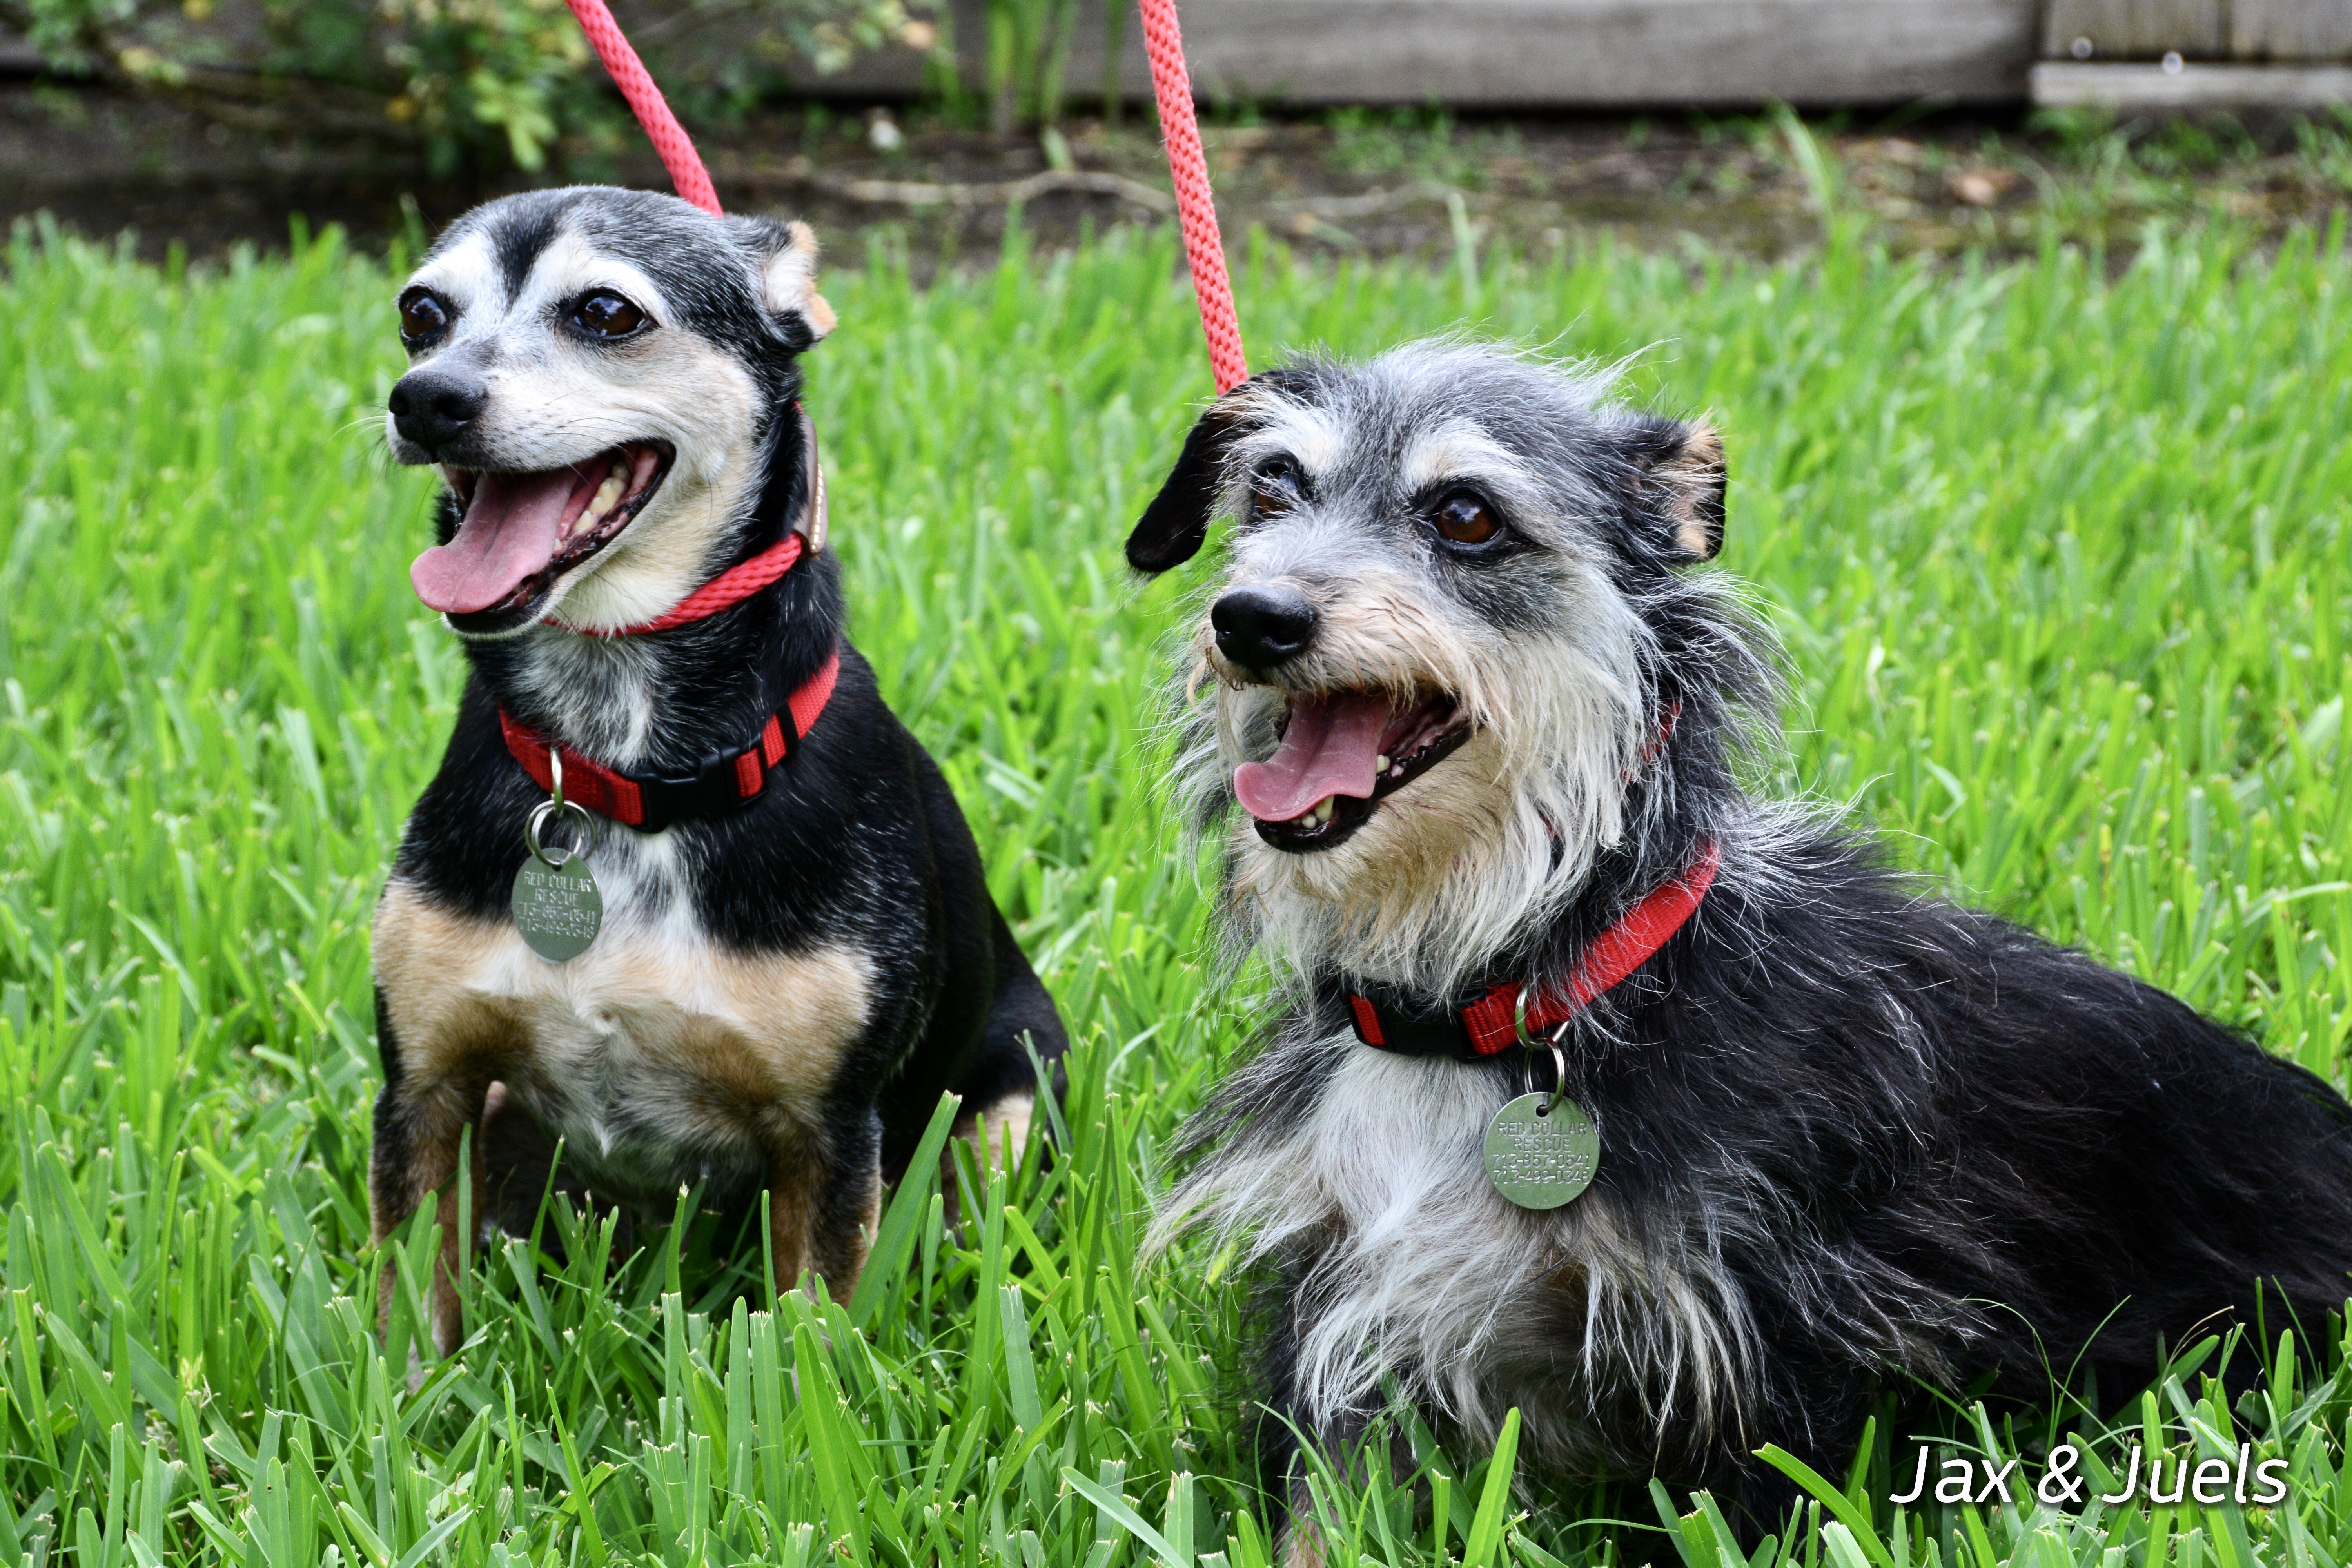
(1528, 1042)
(1519, 1024)
(539, 818)
(1558, 1079)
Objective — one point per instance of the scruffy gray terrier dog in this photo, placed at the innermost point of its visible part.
(1606, 1090)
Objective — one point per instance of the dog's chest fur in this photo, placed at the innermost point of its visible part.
(660, 1057)
(1377, 1199)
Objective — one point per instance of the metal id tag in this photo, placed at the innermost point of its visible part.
(1542, 1150)
(556, 905)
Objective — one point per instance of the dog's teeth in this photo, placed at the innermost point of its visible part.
(1381, 764)
(1315, 815)
(606, 495)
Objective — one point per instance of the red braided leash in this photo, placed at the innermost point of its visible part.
(645, 102)
(1171, 84)
(648, 801)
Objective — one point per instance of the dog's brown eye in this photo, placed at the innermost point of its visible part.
(608, 316)
(421, 317)
(1274, 489)
(1467, 520)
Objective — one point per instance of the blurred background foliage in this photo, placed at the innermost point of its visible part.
(478, 86)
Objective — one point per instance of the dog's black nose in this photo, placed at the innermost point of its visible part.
(1260, 627)
(433, 408)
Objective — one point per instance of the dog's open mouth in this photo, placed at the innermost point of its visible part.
(1341, 753)
(518, 533)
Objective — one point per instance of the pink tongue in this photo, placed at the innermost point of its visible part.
(511, 529)
(1329, 750)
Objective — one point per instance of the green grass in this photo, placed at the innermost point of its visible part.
(2062, 559)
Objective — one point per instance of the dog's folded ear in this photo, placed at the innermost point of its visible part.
(785, 256)
(1176, 525)
(1681, 484)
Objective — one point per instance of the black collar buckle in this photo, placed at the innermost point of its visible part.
(715, 788)
(1414, 1027)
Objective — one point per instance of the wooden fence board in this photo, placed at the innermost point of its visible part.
(2291, 29)
(2136, 29)
(2064, 85)
(1653, 54)
(1502, 54)
(2248, 30)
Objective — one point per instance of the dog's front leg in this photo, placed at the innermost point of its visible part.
(420, 1130)
(995, 1136)
(1354, 1449)
(1291, 1437)
(824, 1202)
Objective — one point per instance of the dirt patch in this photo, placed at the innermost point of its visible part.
(1347, 183)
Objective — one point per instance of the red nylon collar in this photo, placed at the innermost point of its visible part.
(745, 578)
(651, 802)
(730, 588)
(1489, 1025)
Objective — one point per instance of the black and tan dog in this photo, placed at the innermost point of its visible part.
(1473, 738)
(797, 952)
